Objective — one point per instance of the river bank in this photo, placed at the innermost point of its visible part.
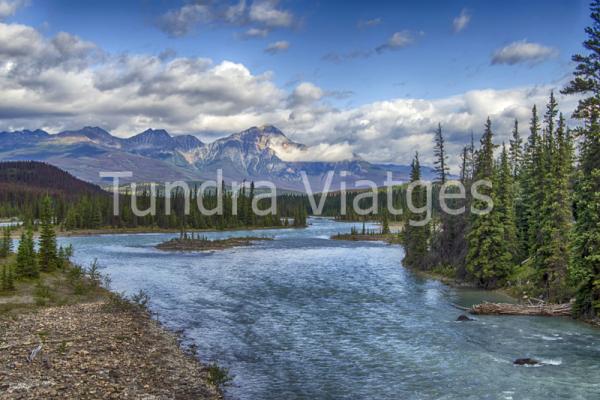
(16, 233)
(65, 336)
(89, 351)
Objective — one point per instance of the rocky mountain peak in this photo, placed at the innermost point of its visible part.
(152, 138)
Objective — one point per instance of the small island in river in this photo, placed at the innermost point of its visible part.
(384, 235)
(201, 243)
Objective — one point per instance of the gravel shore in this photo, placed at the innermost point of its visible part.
(91, 352)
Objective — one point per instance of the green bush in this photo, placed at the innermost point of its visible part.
(218, 376)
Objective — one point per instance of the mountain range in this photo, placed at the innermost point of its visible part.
(155, 155)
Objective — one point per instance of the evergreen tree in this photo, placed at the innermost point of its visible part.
(26, 263)
(416, 238)
(516, 150)
(439, 151)
(7, 280)
(47, 252)
(585, 268)
(385, 224)
(6, 245)
(531, 183)
(552, 256)
(488, 258)
(4, 278)
(506, 202)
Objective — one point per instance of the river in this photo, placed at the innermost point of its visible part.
(306, 317)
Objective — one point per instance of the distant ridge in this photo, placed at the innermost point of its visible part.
(39, 177)
(257, 153)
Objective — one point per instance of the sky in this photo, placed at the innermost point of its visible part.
(368, 79)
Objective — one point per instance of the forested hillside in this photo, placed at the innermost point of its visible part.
(543, 233)
(79, 205)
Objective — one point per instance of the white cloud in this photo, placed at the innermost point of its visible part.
(65, 82)
(320, 152)
(260, 17)
(460, 23)
(397, 41)
(523, 52)
(266, 12)
(235, 12)
(277, 47)
(8, 8)
(256, 32)
(181, 21)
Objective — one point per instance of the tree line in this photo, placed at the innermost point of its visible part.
(91, 209)
(29, 262)
(543, 233)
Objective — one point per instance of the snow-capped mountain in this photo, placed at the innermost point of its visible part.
(255, 154)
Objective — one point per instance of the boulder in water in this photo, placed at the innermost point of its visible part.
(526, 361)
(463, 317)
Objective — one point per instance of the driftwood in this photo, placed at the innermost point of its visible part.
(34, 352)
(543, 309)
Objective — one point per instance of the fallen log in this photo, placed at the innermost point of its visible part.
(549, 310)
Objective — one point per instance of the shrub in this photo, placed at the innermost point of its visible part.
(218, 376)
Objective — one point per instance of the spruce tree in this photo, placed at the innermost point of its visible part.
(416, 238)
(506, 202)
(552, 256)
(4, 279)
(531, 182)
(385, 224)
(6, 245)
(26, 263)
(488, 259)
(585, 263)
(441, 158)
(516, 150)
(47, 251)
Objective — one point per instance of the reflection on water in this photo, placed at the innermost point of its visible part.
(305, 317)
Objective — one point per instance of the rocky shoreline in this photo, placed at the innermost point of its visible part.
(94, 350)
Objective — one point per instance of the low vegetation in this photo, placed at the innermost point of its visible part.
(191, 242)
(382, 234)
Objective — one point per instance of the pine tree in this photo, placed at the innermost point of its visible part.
(4, 279)
(447, 246)
(516, 150)
(47, 252)
(531, 183)
(385, 224)
(6, 245)
(441, 161)
(9, 283)
(585, 263)
(506, 202)
(488, 259)
(416, 238)
(7, 279)
(552, 256)
(26, 263)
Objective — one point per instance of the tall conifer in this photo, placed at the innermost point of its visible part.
(585, 268)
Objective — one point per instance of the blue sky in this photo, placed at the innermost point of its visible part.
(347, 59)
(438, 64)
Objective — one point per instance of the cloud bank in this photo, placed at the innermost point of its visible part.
(261, 16)
(65, 82)
(8, 8)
